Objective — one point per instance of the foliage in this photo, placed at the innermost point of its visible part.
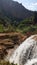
(12, 25)
(2, 62)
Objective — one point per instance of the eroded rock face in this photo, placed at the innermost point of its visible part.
(9, 42)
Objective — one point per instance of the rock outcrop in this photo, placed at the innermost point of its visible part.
(9, 42)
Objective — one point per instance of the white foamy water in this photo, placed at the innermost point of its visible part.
(32, 62)
(26, 53)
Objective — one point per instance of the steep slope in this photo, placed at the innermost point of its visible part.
(14, 9)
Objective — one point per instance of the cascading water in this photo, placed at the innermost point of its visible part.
(26, 53)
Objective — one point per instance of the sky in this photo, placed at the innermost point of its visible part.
(29, 4)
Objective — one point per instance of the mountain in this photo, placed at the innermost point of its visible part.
(14, 9)
(15, 17)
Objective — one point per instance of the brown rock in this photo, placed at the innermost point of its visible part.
(9, 42)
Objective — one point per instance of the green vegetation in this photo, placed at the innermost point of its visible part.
(12, 25)
(23, 27)
(2, 62)
(27, 26)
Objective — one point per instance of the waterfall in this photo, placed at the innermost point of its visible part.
(32, 62)
(26, 53)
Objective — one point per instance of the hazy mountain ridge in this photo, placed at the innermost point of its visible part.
(14, 9)
(15, 17)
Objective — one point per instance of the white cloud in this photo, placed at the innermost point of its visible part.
(31, 6)
(34, 4)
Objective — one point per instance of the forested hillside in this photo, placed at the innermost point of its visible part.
(14, 17)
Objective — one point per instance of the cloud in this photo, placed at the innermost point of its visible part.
(31, 6)
(34, 4)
